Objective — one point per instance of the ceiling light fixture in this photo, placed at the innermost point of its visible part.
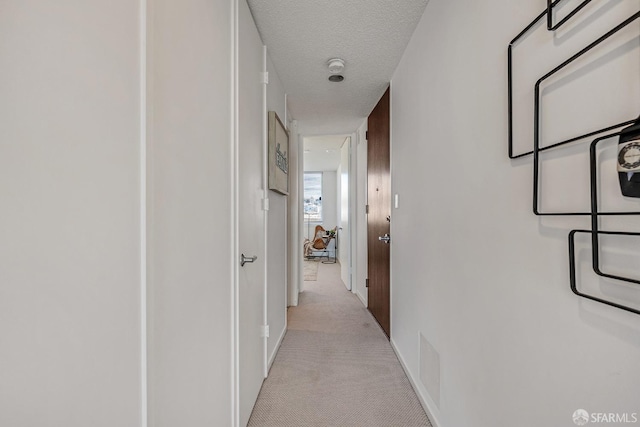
(336, 65)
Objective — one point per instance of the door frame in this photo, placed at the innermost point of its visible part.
(358, 244)
(298, 232)
(235, 234)
(360, 219)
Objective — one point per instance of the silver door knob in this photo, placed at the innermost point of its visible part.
(386, 238)
(246, 259)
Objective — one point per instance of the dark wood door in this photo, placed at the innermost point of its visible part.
(379, 217)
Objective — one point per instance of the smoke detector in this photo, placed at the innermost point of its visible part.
(336, 65)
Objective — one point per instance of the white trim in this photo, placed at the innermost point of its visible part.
(361, 270)
(286, 118)
(300, 210)
(295, 248)
(287, 245)
(362, 298)
(273, 355)
(288, 228)
(297, 283)
(234, 212)
(144, 404)
(353, 208)
(425, 401)
(265, 214)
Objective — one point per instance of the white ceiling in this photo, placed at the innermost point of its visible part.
(322, 153)
(302, 35)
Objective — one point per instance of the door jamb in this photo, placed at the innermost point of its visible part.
(235, 231)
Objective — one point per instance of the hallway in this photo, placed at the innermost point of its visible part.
(152, 213)
(335, 366)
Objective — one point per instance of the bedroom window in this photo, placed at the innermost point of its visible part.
(313, 196)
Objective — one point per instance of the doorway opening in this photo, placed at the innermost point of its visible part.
(326, 200)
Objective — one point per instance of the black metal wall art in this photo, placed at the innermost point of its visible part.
(595, 212)
(512, 44)
(572, 268)
(538, 147)
(550, 6)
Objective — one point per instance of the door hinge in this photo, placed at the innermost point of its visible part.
(367, 209)
(366, 282)
(265, 331)
(265, 204)
(265, 78)
(366, 135)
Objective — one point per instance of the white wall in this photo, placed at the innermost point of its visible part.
(473, 270)
(190, 226)
(277, 233)
(70, 308)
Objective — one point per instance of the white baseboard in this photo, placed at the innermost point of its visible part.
(272, 357)
(425, 401)
(362, 298)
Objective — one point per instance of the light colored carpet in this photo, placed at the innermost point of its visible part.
(335, 367)
(310, 270)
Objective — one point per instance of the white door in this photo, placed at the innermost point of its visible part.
(251, 221)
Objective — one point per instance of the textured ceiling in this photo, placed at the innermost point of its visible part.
(302, 35)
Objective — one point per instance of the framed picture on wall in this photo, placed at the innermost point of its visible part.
(278, 155)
